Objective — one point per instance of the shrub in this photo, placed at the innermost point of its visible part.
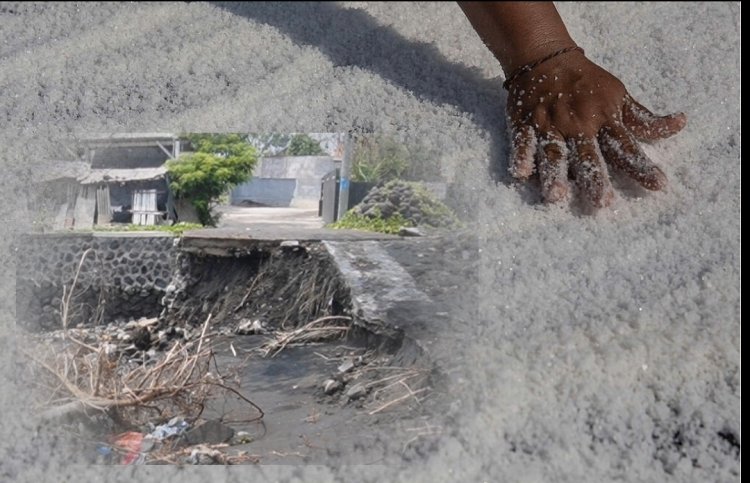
(220, 162)
(378, 160)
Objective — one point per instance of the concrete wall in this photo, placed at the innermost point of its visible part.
(266, 191)
(306, 170)
(124, 274)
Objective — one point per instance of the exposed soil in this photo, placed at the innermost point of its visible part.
(282, 288)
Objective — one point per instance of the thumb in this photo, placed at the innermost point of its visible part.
(647, 126)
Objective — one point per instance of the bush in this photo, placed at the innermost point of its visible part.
(381, 159)
(177, 229)
(220, 162)
(378, 160)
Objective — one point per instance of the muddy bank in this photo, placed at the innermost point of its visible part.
(100, 278)
(281, 286)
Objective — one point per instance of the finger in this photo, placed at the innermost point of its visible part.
(646, 125)
(622, 151)
(590, 172)
(553, 168)
(523, 148)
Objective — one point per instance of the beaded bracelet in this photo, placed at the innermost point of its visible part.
(528, 67)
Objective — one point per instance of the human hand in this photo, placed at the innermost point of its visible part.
(568, 116)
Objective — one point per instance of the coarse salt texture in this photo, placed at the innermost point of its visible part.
(606, 345)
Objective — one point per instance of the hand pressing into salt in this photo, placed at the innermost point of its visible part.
(567, 116)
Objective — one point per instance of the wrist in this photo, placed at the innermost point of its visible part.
(511, 77)
(518, 33)
(516, 58)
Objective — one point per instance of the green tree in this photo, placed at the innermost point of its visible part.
(303, 145)
(218, 163)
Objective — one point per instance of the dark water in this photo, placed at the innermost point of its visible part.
(301, 424)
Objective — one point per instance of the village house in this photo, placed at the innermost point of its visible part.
(119, 178)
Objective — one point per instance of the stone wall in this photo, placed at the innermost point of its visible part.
(123, 274)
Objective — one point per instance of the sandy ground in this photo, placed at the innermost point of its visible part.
(603, 347)
(240, 217)
(277, 223)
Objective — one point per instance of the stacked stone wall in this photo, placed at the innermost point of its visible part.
(122, 275)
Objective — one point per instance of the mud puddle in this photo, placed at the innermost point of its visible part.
(301, 423)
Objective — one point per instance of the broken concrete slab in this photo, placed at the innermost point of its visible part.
(378, 284)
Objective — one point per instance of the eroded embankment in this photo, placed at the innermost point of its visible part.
(95, 279)
(279, 285)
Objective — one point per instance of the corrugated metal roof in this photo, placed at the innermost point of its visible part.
(128, 139)
(100, 137)
(62, 169)
(116, 175)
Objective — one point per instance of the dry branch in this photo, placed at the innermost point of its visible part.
(89, 377)
(311, 332)
(65, 304)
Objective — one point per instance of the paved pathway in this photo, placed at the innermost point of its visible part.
(266, 223)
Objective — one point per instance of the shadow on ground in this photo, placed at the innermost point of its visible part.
(352, 37)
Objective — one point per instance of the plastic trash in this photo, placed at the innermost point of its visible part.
(104, 450)
(175, 427)
(130, 444)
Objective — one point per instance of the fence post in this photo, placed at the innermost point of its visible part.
(346, 168)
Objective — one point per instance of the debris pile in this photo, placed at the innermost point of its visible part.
(373, 384)
(113, 373)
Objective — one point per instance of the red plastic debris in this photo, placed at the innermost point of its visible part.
(130, 443)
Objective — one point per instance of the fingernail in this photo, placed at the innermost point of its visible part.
(657, 181)
(603, 201)
(556, 192)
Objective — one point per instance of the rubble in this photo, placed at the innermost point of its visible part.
(330, 386)
(357, 391)
(411, 200)
(250, 327)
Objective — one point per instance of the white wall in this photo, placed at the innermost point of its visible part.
(306, 170)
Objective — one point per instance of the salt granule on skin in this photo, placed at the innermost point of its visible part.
(523, 149)
(632, 161)
(553, 169)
